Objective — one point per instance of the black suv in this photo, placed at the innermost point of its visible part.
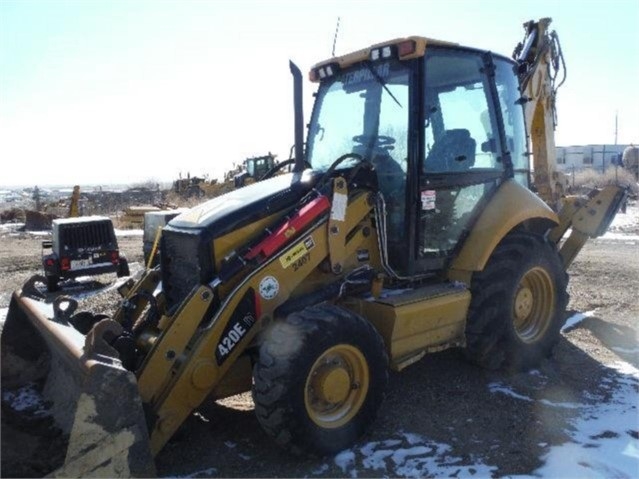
(80, 247)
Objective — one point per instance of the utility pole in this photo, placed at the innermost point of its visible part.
(37, 198)
(617, 162)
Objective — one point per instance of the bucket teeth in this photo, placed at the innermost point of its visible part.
(29, 288)
(97, 341)
(63, 308)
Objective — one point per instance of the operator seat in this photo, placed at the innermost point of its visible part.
(453, 151)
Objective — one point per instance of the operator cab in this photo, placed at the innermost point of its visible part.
(443, 127)
(258, 166)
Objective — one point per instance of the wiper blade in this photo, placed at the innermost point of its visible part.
(381, 81)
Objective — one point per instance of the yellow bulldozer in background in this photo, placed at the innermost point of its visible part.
(249, 171)
(409, 227)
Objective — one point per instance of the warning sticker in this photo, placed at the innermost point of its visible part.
(338, 210)
(297, 252)
(428, 199)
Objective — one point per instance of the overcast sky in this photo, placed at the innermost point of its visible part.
(97, 92)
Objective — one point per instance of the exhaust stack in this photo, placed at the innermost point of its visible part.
(299, 117)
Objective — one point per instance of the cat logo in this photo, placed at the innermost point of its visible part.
(309, 243)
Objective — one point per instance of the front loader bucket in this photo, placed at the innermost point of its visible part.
(93, 398)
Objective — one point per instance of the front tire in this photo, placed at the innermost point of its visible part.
(319, 379)
(518, 305)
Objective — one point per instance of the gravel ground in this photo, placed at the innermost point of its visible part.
(473, 421)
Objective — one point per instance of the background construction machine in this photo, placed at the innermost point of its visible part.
(414, 230)
(251, 170)
(37, 220)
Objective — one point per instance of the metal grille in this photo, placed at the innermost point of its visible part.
(186, 262)
(88, 235)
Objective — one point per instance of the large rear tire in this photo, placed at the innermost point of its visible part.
(519, 304)
(320, 379)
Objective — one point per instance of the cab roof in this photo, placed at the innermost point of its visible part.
(416, 48)
(345, 61)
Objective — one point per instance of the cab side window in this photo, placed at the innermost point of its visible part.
(512, 113)
(463, 158)
(459, 127)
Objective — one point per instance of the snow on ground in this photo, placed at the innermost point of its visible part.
(11, 227)
(631, 239)
(137, 232)
(604, 442)
(605, 438)
(408, 455)
(39, 233)
(26, 399)
(626, 220)
(624, 226)
(575, 319)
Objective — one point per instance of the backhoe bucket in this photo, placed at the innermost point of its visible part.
(93, 398)
(584, 218)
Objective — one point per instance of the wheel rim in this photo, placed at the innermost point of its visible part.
(534, 305)
(336, 386)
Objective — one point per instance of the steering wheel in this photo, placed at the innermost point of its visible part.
(361, 163)
(379, 141)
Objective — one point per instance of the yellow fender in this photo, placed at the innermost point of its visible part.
(512, 205)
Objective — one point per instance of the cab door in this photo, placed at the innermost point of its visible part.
(465, 152)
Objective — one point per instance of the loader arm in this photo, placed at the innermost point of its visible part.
(195, 351)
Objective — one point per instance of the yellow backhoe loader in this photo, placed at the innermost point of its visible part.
(408, 225)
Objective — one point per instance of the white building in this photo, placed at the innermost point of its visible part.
(598, 157)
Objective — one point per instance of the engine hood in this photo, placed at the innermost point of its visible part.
(228, 212)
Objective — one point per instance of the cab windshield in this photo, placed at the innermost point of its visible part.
(363, 109)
